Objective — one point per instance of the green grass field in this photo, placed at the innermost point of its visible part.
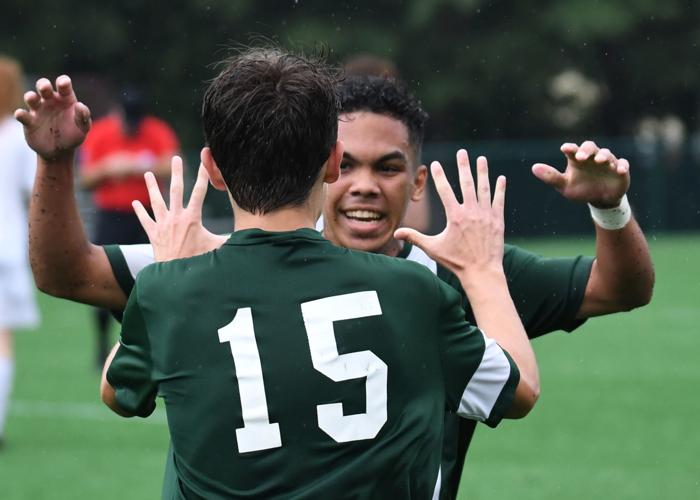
(615, 420)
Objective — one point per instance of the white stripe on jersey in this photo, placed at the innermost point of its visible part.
(137, 257)
(486, 385)
(419, 256)
(438, 485)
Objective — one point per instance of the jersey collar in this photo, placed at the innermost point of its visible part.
(258, 236)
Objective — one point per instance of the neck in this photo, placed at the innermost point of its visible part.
(284, 219)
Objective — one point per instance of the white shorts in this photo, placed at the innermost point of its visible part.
(17, 304)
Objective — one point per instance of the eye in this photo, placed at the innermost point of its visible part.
(344, 165)
(389, 168)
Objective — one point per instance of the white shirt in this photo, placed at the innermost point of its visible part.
(17, 168)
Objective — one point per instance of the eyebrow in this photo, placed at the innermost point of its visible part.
(394, 155)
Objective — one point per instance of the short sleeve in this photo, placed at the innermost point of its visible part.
(130, 373)
(547, 292)
(127, 261)
(480, 377)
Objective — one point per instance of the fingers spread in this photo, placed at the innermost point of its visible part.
(482, 172)
(176, 183)
(157, 202)
(622, 166)
(44, 88)
(569, 149)
(144, 218)
(604, 156)
(64, 86)
(466, 181)
(549, 175)
(199, 191)
(443, 188)
(23, 116)
(499, 197)
(32, 100)
(411, 236)
(587, 150)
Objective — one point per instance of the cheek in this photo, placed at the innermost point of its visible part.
(397, 194)
(334, 192)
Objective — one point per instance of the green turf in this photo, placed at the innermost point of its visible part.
(619, 400)
(615, 420)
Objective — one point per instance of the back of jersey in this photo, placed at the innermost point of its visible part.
(293, 368)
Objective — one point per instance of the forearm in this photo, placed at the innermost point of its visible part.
(64, 262)
(622, 276)
(497, 317)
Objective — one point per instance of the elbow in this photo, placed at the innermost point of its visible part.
(52, 287)
(46, 286)
(639, 297)
(526, 396)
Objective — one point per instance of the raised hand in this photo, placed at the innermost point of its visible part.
(472, 241)
(177, 232)
(593, 175)
(55, 123)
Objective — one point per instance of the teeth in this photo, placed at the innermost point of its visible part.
(363, 215)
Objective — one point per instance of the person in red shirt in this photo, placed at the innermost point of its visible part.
(118, 150)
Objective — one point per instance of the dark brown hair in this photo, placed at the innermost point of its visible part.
(270, 118)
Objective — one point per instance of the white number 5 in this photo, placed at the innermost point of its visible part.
(319, 316)
(257, 432)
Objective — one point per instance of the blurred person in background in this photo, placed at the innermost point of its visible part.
(118, 150)
(17, 306)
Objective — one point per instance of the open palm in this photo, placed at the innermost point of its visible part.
(593, 175)
(55, 123)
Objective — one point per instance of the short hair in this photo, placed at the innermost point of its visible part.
(271, 118)
(385, 96)
(11, 85)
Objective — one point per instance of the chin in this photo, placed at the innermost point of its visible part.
(373, 245)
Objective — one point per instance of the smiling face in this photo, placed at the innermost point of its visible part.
(379, 176)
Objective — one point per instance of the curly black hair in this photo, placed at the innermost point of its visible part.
(385, 96)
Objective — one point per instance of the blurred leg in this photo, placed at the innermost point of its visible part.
(6, 375)
(102, 344)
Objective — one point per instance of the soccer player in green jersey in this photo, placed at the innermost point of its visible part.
(291, 367)
(381, 164)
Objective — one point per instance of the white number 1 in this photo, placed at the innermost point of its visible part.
(257, 432)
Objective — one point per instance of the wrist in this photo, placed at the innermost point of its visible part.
(64, 158)
(612, 218)
(482, 279)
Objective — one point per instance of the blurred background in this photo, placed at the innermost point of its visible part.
(509, 79)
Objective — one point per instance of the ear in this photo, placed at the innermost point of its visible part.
(333, 163)
(419, 182)
(215, 176)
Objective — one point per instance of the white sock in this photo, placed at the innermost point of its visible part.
(7, 368)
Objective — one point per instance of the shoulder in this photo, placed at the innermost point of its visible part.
(415, 280)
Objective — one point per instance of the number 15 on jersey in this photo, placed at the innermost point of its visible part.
(258, 433)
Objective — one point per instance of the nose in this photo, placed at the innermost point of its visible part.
(363, 182)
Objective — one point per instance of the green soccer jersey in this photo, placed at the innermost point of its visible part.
(292, 368)
(547, 293)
